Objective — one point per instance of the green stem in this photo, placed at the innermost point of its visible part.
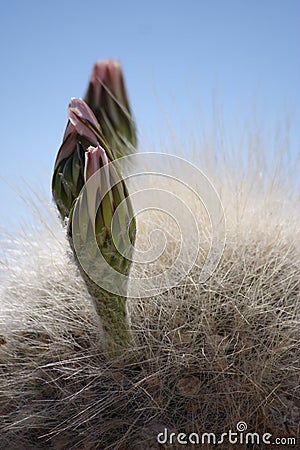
(112, 311)
(114, 318)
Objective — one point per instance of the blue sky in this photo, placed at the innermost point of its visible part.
(178, 54)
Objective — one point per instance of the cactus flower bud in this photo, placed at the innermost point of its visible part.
(82, 131)
(105, 213)
(114, 202)
(106, 96)
(85, 180)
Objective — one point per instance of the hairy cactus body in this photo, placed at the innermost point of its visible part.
(205, 356)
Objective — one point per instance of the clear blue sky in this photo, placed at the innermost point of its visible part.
(186, 50)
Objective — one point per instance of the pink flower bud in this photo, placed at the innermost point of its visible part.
(101, 182)
(106, 96)
(83, 120)
(82, 123)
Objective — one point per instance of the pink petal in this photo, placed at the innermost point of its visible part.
(80, 116)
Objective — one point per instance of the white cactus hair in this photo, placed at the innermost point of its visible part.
(206, 356)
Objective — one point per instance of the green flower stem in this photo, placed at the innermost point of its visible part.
(83, 163)
(97, 244)
(112, 311)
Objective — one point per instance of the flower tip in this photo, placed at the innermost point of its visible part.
(77, 103)
(114, 63)
(99, 71)
(79, 110)
(98, 150)
(102, 66)
(95, 158)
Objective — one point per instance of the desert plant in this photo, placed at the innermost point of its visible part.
(207, 356)
(83, 162)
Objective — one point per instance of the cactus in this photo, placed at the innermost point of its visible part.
(82, 154)
(208, 356)
(94, 221)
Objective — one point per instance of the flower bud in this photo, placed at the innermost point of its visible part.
(106, 96)
(82, 131)
(102, 235)
(106, 197)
